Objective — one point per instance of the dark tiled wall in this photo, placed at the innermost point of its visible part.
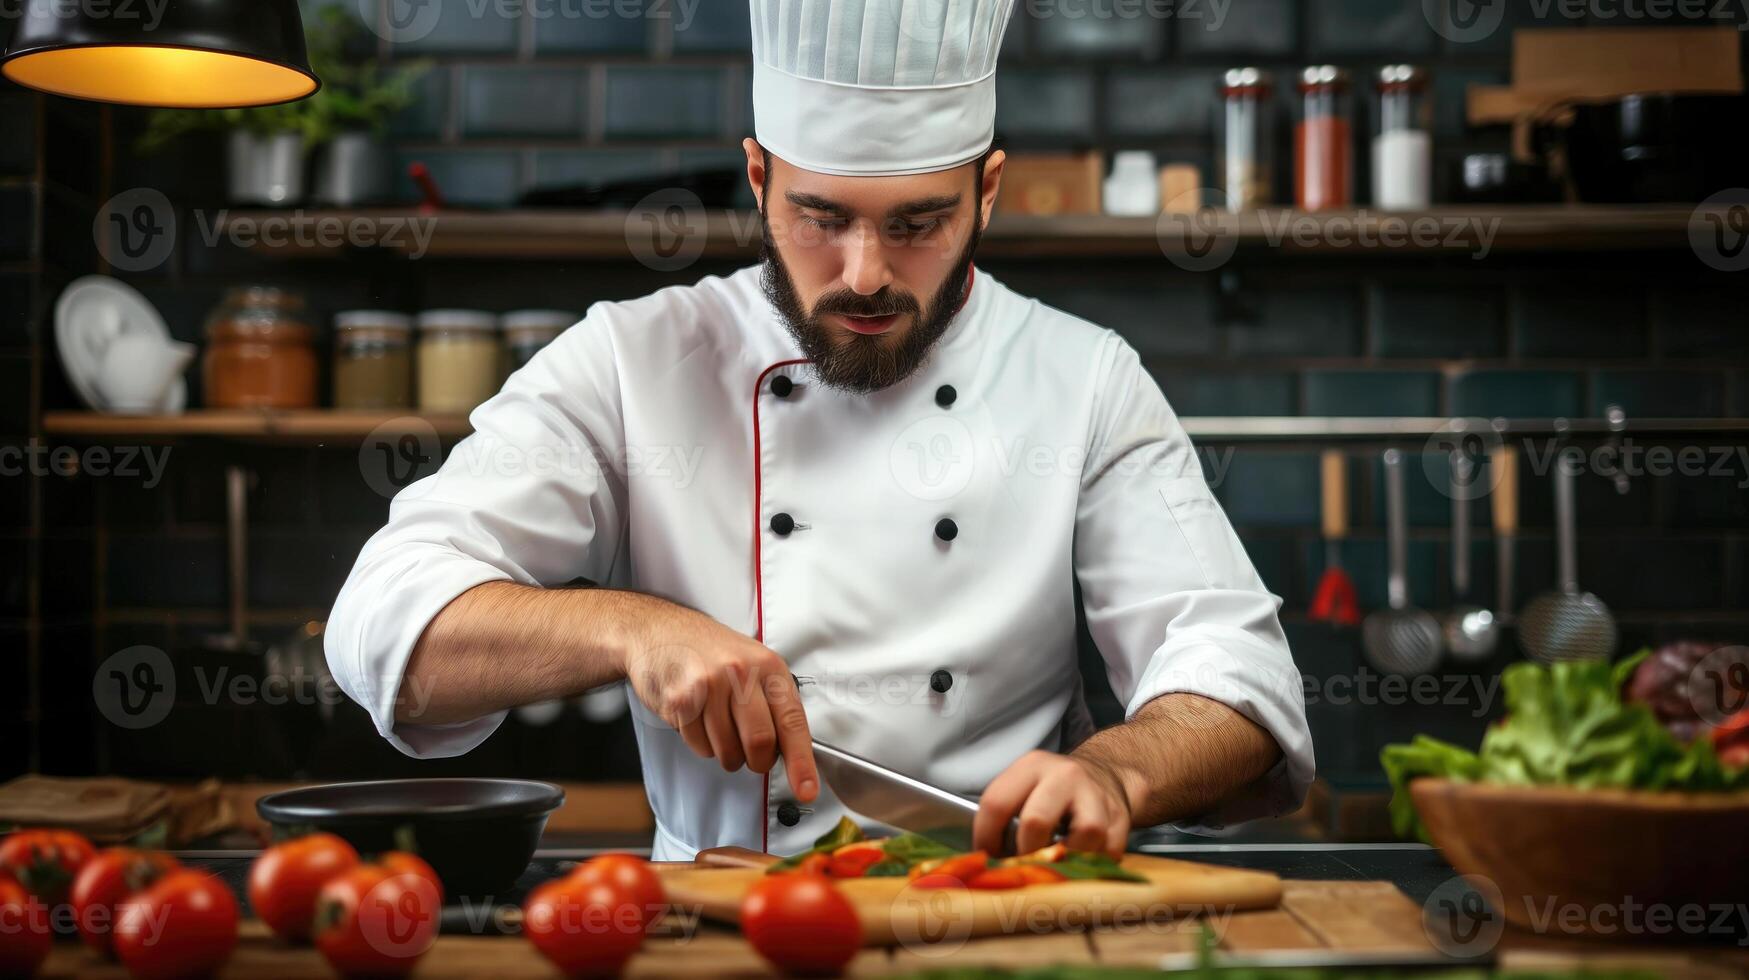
(520, 103)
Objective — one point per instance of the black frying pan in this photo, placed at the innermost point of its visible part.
(478, 834)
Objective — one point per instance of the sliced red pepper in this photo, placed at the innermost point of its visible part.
(814, 864)
(934, 880)
(1732, 729)
(998, 879)
(1038, 874)
(853, 863)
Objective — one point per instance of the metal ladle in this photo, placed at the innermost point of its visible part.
(1401, 639)
(1471, 631)
(1569, 623)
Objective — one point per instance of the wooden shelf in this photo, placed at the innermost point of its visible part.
(312, 425)
(566, 234)
(318, 425)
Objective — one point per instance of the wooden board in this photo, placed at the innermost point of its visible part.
(895, 914)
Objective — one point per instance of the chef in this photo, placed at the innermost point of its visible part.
(897, 469)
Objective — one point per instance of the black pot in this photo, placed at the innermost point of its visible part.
(1659, 147)
(477, 834)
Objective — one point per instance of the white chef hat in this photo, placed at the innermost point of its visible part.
(876, 87)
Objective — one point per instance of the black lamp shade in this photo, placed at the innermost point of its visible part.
(198, 54)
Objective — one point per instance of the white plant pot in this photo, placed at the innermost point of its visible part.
(266, 169)
(350, 170)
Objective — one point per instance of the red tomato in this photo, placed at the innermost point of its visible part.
(406, 862)
(110, 877)
(183, 926)
(372, 921)
(284, 881)
(633, 876)
(45, 861)
(586, 928)
(801, 923)
(815, 864)
(25, 936)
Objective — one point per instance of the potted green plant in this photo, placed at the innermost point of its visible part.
(267, 146)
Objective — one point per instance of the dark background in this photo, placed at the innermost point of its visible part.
(89, 566)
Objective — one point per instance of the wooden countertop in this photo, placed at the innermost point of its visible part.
(1351, 917)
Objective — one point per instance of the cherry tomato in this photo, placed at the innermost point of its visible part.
(801, 923)
(634, 876)
(25, 936)
(814, 864)
(406, 862)
(587, 927)
(183, 926)
(375, 921)
(109, 878)
(998, 879)
(284, 881)
(45, 861)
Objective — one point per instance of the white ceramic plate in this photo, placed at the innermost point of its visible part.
(91, 313)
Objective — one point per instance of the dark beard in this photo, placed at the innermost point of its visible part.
(857, 362)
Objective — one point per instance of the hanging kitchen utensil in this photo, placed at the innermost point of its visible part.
(1401, 639)
(1568, 623)
(1335, 600)
(1471, 631)
(1505, 510)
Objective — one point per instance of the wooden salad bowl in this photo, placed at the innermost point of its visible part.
(1593, 862)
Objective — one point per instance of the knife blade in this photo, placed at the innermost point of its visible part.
(898, 800)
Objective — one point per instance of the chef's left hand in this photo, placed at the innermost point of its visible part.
(1047, 791)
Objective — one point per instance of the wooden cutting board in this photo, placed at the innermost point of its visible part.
(895, 914)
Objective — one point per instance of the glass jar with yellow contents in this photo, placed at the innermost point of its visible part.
(373, 360)
(458, 360)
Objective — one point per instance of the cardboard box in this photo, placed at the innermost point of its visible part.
(1050, 183)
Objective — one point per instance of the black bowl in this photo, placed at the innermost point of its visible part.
(478, 834)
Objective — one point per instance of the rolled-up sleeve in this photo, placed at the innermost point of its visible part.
(535, 495)
(1171, 598)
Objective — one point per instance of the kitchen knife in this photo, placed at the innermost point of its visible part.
(893, 798)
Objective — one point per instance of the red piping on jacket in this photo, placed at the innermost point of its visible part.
(758, 578)
(759, 535)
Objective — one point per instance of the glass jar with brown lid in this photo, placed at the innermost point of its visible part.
(261, 351)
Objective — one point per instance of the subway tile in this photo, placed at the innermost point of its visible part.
(714, 27)
(1672, 573)
(1712, 494)
(1381, 28)
(299, 569)
(1097, 31)
(735, 159)
(1425, 322)
(1426, 489)
(1271, 489)
(18, 138)
(1373, 394)
(153, 569)
(1659, 394)
(587, 27)
(17, 221)
(1367, 562)
(14, 673)
(1262, 28)
(1518, 394)
(468, 27)
(1052, 104)
(1155, 319)
(1450, 94)
(589, 168)
(502, 100)
(1579, 318)
(15, 404)
(664, 103)
(1479, 28)
(1226, 393)
(14, 575)
(68, 576)
(472, 177)
(1161, 103)
(1276, 560)
(1699, 322)
(17, 309)
(1301, 321)
(343, 497)
(425, 115)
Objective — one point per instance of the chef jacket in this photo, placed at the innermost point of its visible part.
(911, 552)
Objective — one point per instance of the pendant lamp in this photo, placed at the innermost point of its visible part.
(192, 54)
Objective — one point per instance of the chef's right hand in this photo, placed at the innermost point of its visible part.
(729, 696)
